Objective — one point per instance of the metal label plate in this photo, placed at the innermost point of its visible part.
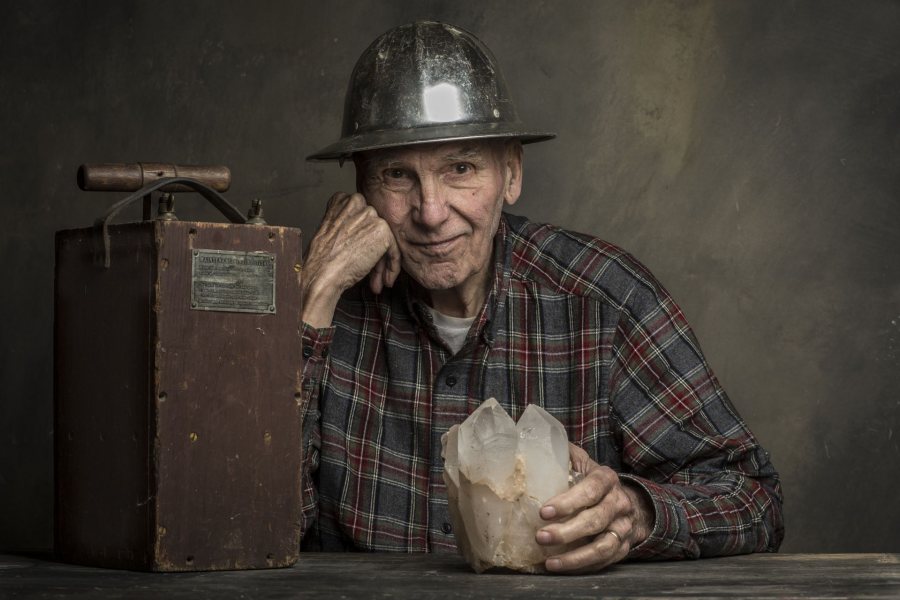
(233, 281)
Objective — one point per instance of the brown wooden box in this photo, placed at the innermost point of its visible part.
(177, 429)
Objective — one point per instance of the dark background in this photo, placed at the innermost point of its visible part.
(747, 152)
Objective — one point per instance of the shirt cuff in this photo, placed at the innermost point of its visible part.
(316, 343)
(663, 537)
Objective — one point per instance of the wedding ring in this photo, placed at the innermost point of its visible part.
(617, 536)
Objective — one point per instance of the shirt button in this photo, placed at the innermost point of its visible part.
(307, 351)
(447, 528)
(451, 380)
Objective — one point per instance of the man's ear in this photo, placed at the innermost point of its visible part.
(513, 156)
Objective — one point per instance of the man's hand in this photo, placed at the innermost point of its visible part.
(607, 515)
(352, 242)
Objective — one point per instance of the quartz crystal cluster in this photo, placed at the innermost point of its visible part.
(498, 475)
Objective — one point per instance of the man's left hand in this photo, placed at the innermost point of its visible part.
(607, 515)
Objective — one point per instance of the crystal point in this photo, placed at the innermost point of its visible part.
(498, 475)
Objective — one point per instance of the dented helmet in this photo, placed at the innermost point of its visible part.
(425, 82)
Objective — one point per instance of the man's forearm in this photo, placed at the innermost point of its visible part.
(319, 303)
(315, 345)
(733, 513)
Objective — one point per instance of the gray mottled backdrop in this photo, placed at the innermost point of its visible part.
(747, 152)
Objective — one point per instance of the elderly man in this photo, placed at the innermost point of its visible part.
(422, 298)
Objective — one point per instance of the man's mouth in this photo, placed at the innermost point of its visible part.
(437, 248)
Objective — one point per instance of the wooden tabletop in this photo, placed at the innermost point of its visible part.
(327, 576)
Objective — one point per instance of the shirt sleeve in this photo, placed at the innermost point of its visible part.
(316, 343)
(713, 488)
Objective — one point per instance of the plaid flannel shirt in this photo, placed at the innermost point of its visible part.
(571, 323)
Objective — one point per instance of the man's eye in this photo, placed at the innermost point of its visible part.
(462, 168)
(397, 179)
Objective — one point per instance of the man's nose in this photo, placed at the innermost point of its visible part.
(432, 209)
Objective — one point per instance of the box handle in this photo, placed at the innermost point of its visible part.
(214, 197)
(130, 177)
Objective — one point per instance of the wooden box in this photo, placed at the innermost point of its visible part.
(177, 386)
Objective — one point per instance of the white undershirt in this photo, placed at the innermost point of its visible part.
(452, 330)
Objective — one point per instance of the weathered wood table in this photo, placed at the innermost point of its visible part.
(328, 576)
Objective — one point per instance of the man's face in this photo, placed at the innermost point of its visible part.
(443, 203)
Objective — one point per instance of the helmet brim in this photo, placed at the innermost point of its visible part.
(376, 140)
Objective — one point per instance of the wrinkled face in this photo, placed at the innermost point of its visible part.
(443, 203)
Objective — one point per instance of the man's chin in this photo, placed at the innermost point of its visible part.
(432, 282)
(435, 277)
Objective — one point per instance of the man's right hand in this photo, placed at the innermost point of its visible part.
(351, 243)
